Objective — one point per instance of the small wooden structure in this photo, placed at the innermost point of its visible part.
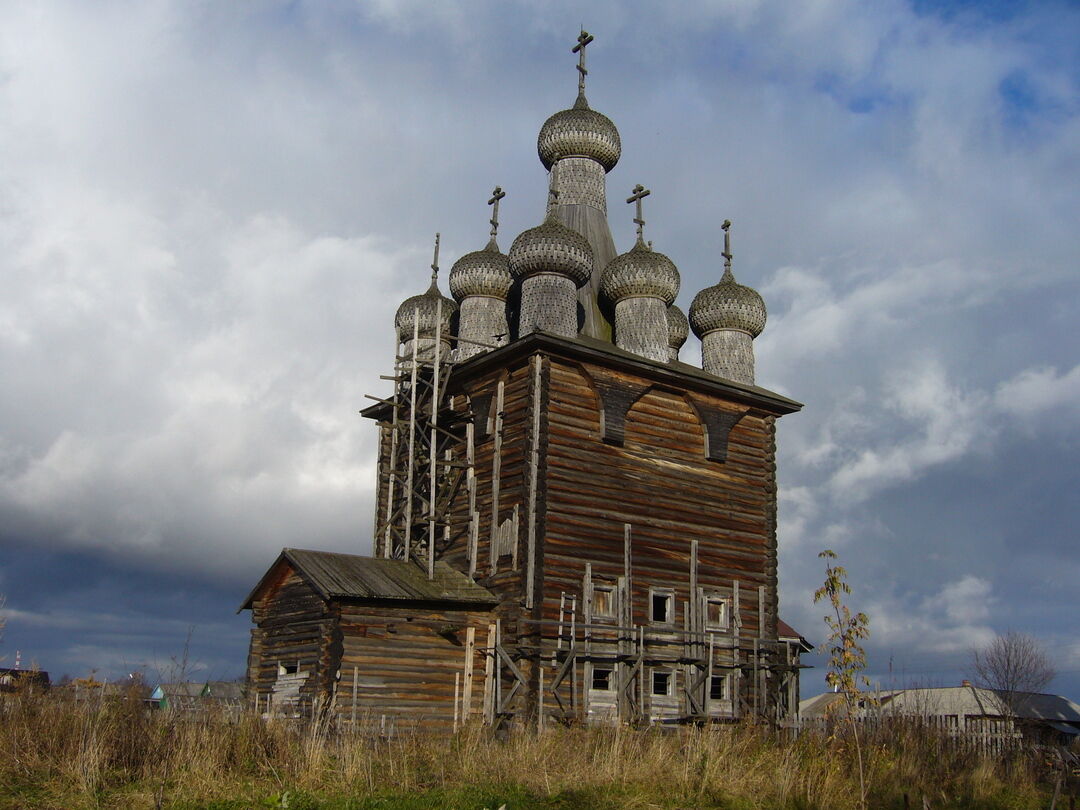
(369, 640)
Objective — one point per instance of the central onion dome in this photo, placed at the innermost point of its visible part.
(579, 132)
(482, 272)
(551, 247)
(728, 305)
(424, 309)
(640, 272)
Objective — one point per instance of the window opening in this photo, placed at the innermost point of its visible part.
(601, 680)
(603, 602)
(661, 683)
(716, 613)
(661, 607)
(718, 687)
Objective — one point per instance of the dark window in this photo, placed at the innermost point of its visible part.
(717, 690)
(661, 608)
(661, 683)
(601, 680)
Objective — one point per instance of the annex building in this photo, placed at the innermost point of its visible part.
(572, 524)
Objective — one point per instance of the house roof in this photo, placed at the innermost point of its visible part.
(352, 576)
(957, 700)
(186, 689)
(785, 632)
(223, 690)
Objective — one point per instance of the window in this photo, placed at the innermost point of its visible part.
(601, 680)
(661, 682)
(716, 613)
(661, 607)
(718, 687)
(291, 668)
(603, 602)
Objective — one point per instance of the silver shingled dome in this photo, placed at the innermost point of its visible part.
(727, 305)
(579, 132)
(640, 272)
(482, 272)
(425, 309)
(551, 248)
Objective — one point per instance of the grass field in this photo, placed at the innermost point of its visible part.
(114, 754)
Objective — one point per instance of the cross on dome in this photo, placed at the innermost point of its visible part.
(727, 248)
(435, 261)
(639, 193)
(496, 195)
(584, 38)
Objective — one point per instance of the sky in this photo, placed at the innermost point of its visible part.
(210, 211)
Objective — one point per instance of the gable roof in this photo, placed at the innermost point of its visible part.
(353, 576)
(785, 632)
(971, 701)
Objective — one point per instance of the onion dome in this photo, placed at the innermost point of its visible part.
(551, 247)
(678, 327)
(579, 132)
(482, 272)
(425, 308)
(727, 305)
(639, 272)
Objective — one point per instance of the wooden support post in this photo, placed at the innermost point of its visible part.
(534, 473)
(757, 695)
(474, 526)
(410, 474)
(470, 656)
(709, 677)
(575, 695)
(352, 715)
(586, 616)
(489, 665)
(641, 675)
(498, 667)
(457, 697)
(759, 684)
(496, 474)
(540, 703)
(736, 632)
(432, 452)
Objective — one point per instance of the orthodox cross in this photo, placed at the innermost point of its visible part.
(727, 247)
(639, 194)
(584, 38)
(496, 195)
(435, 261)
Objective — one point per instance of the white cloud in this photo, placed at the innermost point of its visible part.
(940, 424)
(1036, 391)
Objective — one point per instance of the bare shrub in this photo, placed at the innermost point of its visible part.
(1015, 666)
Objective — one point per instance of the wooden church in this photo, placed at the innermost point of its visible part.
(572, 525)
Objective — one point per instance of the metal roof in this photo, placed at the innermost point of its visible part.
(352, 576)
(957, 700)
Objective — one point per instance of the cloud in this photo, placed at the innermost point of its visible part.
(1035, 391)
(208, 215)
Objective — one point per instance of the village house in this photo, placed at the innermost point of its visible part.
(572, 525)
(969, 712)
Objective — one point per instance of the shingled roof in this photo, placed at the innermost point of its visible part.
(352, 576)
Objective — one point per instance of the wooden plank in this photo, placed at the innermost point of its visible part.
(496, 473)
(470, 654)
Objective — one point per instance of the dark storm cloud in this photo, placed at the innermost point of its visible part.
(209, 213)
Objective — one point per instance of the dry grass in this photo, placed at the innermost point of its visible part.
(113, 753)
